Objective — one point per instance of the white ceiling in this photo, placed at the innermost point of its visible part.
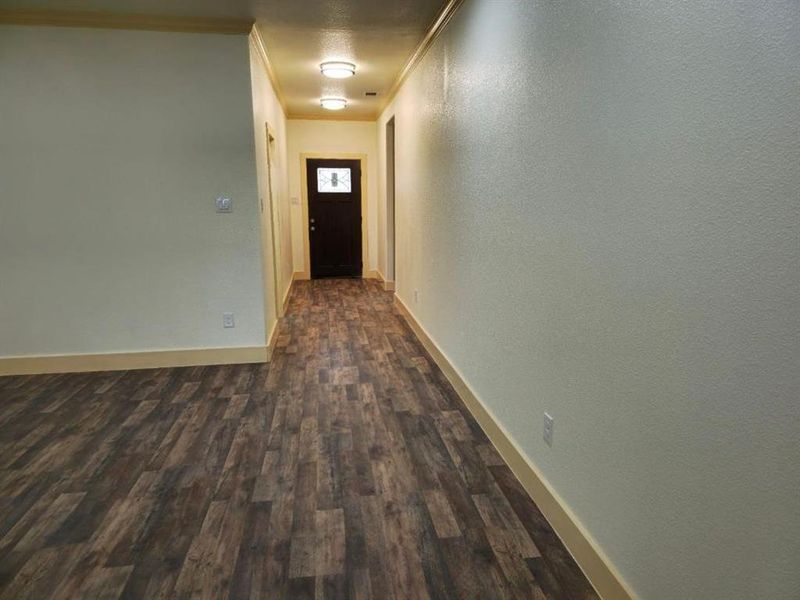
(377, 35)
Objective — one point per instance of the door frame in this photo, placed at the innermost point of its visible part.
(362, 158)
(275, 227)
(390, 206)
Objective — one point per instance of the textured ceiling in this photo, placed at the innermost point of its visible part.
(377, 35)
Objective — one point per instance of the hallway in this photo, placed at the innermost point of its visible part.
(567, 364)
(347, 468)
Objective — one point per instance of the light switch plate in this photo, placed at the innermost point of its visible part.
(224, 205)
(227, 320)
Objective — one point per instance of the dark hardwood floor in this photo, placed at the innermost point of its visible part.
(347, 468)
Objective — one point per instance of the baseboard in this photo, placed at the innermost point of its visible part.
(273, 335)
(388, 286)
(594, 563)
(272, 342)
(304, 275)
(286, 297)
(123, 361)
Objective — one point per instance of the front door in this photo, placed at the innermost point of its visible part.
(334, 217)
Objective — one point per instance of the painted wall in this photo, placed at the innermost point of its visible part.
(598, 203)
(113, 147)
(268, 111)
(357, 137)
(386, 161)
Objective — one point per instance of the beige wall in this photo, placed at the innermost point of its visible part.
(267, 111)
(598, 203)
(113, 147)
(352, 137)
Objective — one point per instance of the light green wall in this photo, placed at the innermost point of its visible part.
(113, 147)
(599, 204)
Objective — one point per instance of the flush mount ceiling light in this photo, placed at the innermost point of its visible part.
(333, 103)
(337, 69)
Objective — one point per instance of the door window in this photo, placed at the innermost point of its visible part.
(333, 181)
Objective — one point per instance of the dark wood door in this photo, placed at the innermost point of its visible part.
(334, 217)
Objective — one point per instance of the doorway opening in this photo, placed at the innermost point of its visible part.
(274, 221)
(390, 196)
(334, 217)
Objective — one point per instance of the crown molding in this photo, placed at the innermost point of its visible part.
(433, 32)
(261, 49)
(104, 20)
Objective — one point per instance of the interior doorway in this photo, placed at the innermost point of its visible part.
(334, 217)
(274, 221)
(390, 197)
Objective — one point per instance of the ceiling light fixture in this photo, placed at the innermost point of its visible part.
(337, 69)
(333, 103)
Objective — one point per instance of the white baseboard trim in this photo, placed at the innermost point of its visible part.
(304, 275)
(272, 339)
(388, 286)
(123, 361)
(583, 547)
(272, 342)
(287, 295)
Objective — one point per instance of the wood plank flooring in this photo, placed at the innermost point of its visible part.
(347, 468)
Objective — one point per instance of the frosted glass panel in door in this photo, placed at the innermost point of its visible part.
(333, 181)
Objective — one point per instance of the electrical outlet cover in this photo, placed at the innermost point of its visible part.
(548, 429)
(224, 205)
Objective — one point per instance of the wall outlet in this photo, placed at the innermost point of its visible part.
(227, 320)
(224, 205)
(416, 296)
(548, 429)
